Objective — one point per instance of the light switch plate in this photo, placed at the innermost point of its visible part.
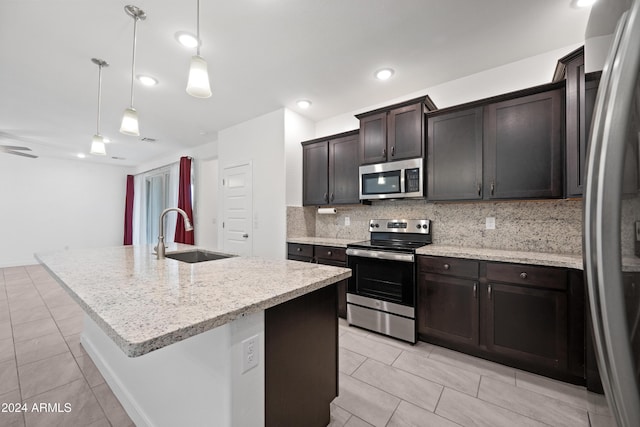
(347, 221)
(490, 223)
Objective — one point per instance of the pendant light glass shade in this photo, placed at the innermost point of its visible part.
(97, 146)
(129, 125)
(198, 83)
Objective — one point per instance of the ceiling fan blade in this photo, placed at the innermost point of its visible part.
(14, 147)
(21, 154)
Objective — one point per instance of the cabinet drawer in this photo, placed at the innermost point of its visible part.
(530, 275)
(449, 266)
(297, 249)
(330, 253)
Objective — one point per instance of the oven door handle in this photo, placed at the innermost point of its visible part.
(392, 256)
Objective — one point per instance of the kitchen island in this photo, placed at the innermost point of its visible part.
(212, 343)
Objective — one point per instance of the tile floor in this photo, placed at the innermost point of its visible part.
(383, 382)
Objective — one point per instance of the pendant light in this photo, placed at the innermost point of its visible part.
(198, 83)
(97, 143)
(129, 125)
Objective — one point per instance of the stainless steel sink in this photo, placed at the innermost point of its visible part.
(197, 255)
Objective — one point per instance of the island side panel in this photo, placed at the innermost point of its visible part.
(301, 360)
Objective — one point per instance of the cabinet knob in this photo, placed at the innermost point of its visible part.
(523, 275)
(329, 253)
(245, 235)
(299, 249)
(479, 188)
(393, 151)
(447, 266)
(326, 197)
(493, 188)
(331, 198)
(384, 152)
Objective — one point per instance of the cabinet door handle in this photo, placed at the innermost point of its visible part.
(393, 151)
(384, 152)
(329, 253)
(475, 290)
(479, 189)
(447, 266)
(489, 290)
(331, 198)
(493, 188)
(245, 235)
(326, 197)
(523, 275)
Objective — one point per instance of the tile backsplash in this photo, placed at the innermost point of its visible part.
(541, 225)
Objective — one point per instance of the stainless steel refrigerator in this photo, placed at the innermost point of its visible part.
(612, 222)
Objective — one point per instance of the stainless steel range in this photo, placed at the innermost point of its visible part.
(381, 294)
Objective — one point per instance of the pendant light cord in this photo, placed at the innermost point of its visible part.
(198, 25)
(99, 97)
(133, 60)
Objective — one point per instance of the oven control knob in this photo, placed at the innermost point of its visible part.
(424, 226)
(377, 225)
(418, 226)
(371, 225)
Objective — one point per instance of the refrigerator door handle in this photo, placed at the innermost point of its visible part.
(602, 207)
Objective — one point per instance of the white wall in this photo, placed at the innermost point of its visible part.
(51, 204)
(599, 33)
(296, 129)
(206, 203)
(522, 74)
(261, 142)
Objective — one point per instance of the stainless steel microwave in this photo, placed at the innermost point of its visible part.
(392, 180)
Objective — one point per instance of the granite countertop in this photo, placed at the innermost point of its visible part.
(323, 241)
(144, 304)
(519, 257)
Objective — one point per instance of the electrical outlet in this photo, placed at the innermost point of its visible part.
(250, 353)
(490, 223)
(347, 221)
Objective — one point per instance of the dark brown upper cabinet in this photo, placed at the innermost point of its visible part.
(330, 170)
(505, 147)
(454, 155)
(395, 132)
(523, 146)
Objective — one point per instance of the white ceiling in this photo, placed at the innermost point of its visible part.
(262, 55)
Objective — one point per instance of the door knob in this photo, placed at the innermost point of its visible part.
(245, 235)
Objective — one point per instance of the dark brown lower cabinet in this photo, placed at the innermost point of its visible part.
(527, 324)
(448, 308)
(327, 255)
(525, 316)
(301, 360)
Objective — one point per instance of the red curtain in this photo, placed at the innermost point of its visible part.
(184, 202)
(128, 212)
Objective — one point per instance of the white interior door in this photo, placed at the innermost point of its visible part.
(237, 210)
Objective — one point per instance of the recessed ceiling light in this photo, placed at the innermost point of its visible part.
(384, 74)
(81, 155)
(304, 103)
(584, 3)
(187, 39)
(147, 80)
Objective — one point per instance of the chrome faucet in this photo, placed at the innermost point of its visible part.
(187, 226)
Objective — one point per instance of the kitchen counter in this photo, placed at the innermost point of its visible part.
(518, 257)
(144, 304)
(190, 344)
(323, 241)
